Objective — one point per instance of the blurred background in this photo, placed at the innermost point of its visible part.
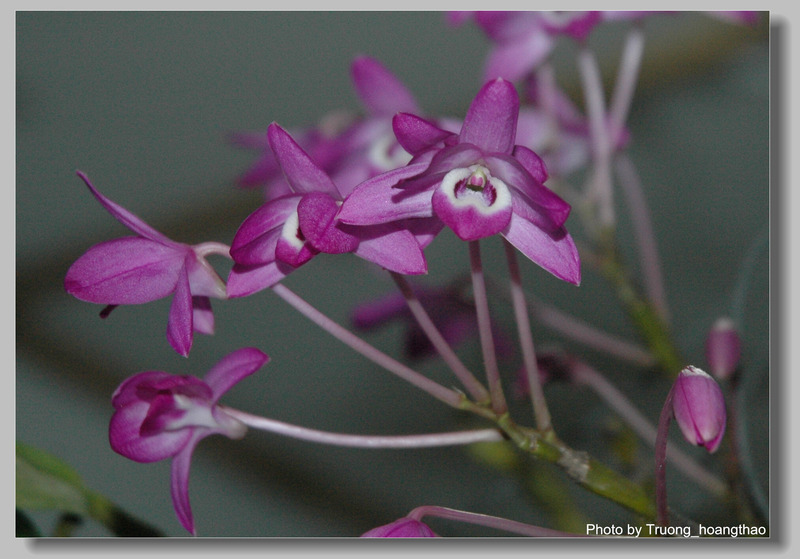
(144, 103)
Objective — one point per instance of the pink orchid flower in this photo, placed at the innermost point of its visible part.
(159, 415)
(144, 268)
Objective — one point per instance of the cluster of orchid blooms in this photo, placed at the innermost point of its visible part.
(382, 187)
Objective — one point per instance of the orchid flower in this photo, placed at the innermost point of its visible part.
(479, 183)
(287, 232)
(699, 408)
(521, 41)
(349, 149)
(563, 139)
(147, 267)
(403, 528)
(454, 316)
(159, 415)
(723, 348)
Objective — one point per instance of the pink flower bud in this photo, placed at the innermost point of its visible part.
(699, 408)
(402, 528)
(723, 348)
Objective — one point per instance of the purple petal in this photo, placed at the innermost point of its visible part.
(491, 121)
(293, 251)
(179, 327)
(699, 408)
(514, 59)
(375, 313)
(424, 229)
(376, 201)
(515, 175)
(232, 368)
(380, 91)
(202, 315)
(162, 413)
(502, 26)
(555, 252)
(129, 220)
(125, 271)
(179, 480)
(394, 249)
(125, 437)
(246, 280)
(416, 134)
(318, 223)
(128, 391)
(577, 25)
(472, 214)
(453, 157)
(531, 162)
(302, 173)
(203, 279)
(255, 240)
(403, 528)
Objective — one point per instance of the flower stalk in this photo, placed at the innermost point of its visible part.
(499, 405)
(449, 397)
(473, 386)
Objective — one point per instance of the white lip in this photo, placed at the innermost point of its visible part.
(454, 177)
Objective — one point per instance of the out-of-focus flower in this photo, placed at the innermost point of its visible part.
(699, 408)
(147, 267)
(521, 41)
(559, 134)
(159, 415)
(402, 528)
(288, 231)
(478, 183)
(452, 314)
(349, 148)
(723, 348)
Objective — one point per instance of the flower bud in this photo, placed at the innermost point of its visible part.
(699, 408)
(402, 528)
(723, 348)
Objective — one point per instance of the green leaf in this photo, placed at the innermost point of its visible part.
(45, 482)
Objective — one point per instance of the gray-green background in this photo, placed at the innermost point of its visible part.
(143, 103)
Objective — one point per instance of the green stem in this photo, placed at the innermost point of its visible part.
(578, 465)
(645, 316)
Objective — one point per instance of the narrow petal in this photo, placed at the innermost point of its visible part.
(376, 313)
(424, 229)
(491, 121)
(319, 225)
(380, 91)
(128, 219)
(125, 271)
(513, 173)
(232, 368)
(514, 59)
(532, 163)
(246, 280)
(179, 480)
(555, 252)
(376, 201)
(394, 249)
(454, 157)
(416, 134)
(179, 326)
(202, 315)
(302, 173)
